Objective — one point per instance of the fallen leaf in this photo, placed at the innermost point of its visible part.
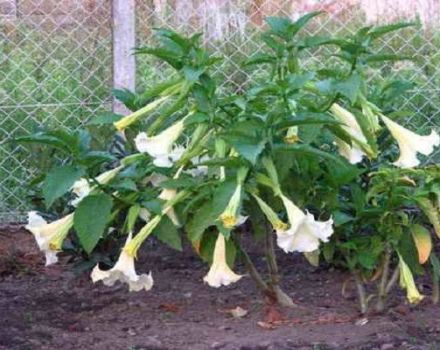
(238, 312)
(169, 307)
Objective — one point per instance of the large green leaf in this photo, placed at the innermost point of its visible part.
(58, 181)
(168, 234)
(91, 218)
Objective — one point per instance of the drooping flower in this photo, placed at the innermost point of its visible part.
(410, 143)
(133, 117)
(230, 215)
(49, 237)
(304, 233)
(160, 147)
(168, 194)
(270, 214)
(123, 271)
(82, 188)
(407, 282)
(291, 135)
(355, 152)
(220, 274)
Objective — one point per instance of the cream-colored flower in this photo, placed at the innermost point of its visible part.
(82, 188)
(304, 233)
(410, 143)
(291, 135)
(49, 237)
(220, 274)
(407, 282)
(353, 153)
(168, 194)
(160, 147)
(125, 272)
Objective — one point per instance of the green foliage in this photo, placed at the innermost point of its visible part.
(304, 154)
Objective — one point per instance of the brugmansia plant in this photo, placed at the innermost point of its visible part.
(303, 160)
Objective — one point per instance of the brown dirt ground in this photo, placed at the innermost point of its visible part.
(51, 308)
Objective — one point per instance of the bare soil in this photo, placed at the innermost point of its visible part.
(52, 308)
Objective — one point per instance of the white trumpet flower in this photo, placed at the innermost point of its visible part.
(199, 170)
(410, 143)
(160, 147)
(220, 274)
(353, 153)
(125, 272)
(49, 237)
(304, 233)
(82, 188)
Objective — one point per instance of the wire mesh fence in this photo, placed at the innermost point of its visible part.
(56, 61)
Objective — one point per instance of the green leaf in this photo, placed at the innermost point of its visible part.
(106, 118)
(350, 87)
(91, 218)
(382, 30)
(308, 150)
(280, 26)
(58, 181)
(168, 234)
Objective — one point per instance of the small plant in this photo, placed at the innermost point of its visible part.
(303, 158)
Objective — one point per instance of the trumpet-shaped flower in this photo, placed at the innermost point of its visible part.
(230, 216)
(410, 143)
(407, 282)
(292, 135)
(305, 233)
(133, 117)
(220, 274)
(82, 188)
(353, 153)
(49, 237)
(160, 147)
(125, 272)
(169, 194)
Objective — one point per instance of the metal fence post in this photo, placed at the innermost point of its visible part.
(124, 40)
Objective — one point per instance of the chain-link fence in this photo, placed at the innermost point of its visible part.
(56, 61)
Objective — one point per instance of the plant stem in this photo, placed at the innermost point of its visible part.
(382, 293)
(253, 272)
(363, 303)
(435, 289)
(392, 280)
(280, 296)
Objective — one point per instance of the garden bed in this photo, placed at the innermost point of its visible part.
(52, 308)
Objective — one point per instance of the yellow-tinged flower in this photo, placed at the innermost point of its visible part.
(230, 216)
(304, 233)
(131, 247)
(169, 194)
(355, 152)
(160, 147)
(82, 188)
(220, 274)
(276, 223)
(125, 272)
(410, 143)
(133, 117)
(407, 282)
(292, 135)
(49, 237)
